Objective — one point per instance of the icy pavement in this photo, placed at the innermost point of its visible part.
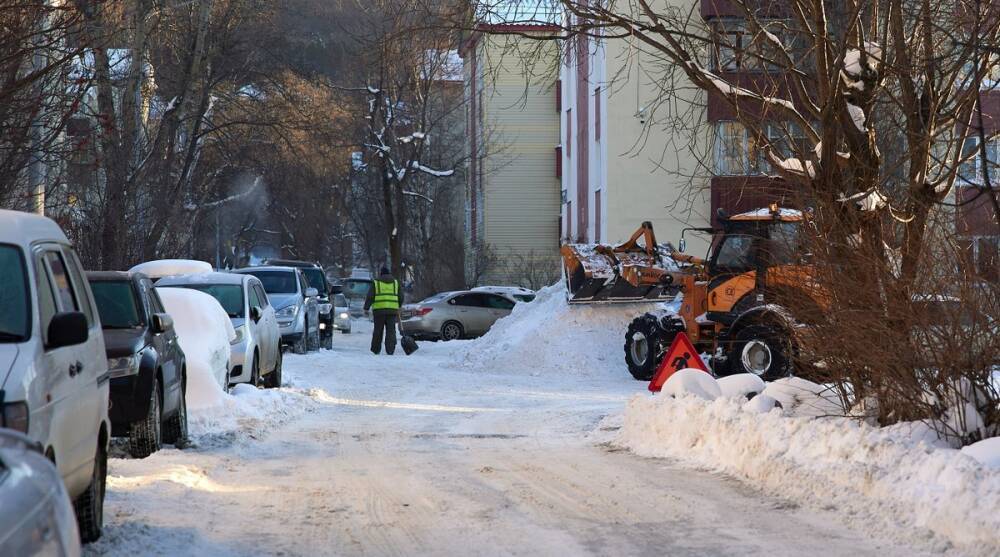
(365, 455)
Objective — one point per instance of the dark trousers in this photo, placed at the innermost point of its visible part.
(384, 321)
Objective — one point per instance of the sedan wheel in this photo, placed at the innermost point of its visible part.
(451, 331)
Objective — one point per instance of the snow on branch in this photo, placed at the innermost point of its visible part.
(732, 90)
(427, 170)
(194, 206)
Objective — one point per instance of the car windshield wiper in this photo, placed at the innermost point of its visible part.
(6, 336)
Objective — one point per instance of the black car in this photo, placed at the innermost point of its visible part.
(316, 278)
(146, 364)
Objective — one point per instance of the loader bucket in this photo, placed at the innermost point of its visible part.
(599, 274)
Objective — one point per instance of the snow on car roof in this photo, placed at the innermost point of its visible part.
(265, 268)
(204, 278)
(24, 228)
(171, 267)
(503, 289)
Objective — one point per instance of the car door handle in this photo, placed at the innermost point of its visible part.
(75, 369)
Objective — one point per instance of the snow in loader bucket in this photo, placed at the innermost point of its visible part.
(594, 277)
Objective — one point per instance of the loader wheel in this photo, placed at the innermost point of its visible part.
(761, 350)
(644, 345)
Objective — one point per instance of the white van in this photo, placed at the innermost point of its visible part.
(53, 369)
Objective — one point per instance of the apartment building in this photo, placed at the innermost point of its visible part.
(626, 157)
(512, 197)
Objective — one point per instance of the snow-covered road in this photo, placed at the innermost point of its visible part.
(413, 456)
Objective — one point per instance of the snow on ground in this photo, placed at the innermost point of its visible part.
(550, 336)
(896, 481)
(376, 455)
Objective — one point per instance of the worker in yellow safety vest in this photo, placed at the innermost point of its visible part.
(384, 299)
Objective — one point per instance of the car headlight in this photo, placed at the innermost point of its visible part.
(287, 313)
(241, 331)
(344, 316)
(126, 365)
(15, 416)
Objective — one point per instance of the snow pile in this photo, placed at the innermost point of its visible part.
(986, 451)
(893, 479)
(548, 335)
(799, 397)
(248, 409)
(694, 382)
(741, 385)
(172, 267)
(204, 332)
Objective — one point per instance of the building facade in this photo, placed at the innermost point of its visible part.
(512, 194)
(626, 157)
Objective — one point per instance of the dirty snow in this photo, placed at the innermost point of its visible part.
(204, 332)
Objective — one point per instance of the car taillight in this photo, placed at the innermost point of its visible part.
(424, 311)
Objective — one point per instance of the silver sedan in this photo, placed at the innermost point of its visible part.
(455, 315)
(40, 520)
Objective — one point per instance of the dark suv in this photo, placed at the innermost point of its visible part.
(146, 363)
(316, 278)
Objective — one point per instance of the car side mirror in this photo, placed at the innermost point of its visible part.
(162, 323)
(255, 313)
(68, 329)
(311, 292)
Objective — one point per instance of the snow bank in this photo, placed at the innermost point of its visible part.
(248, 409)
(204, 332)
(549, 335)
(799, 397)
(986, 451)
(172, 267)
(892, 479)
(741, 385)
(693, 382)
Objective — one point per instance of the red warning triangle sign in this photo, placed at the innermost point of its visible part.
(681, 355)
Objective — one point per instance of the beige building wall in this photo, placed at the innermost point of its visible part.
(652, 169)
(646, 145)
(518, 198)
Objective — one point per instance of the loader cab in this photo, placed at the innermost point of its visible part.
(754, 250)
(755, 245)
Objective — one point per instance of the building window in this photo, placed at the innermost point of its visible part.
(597, 113)
(737, 48)
(569, 133)
(971, 169)
(738, 153)
(983, 257)
(787, 140)
(558, 161)
(732, 151)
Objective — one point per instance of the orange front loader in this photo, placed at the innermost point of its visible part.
(726, 305)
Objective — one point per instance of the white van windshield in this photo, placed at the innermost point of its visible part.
(15, 310)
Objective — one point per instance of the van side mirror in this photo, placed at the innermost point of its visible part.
(255, 313)
(162, 323)
(311, 292)
(68, 329)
